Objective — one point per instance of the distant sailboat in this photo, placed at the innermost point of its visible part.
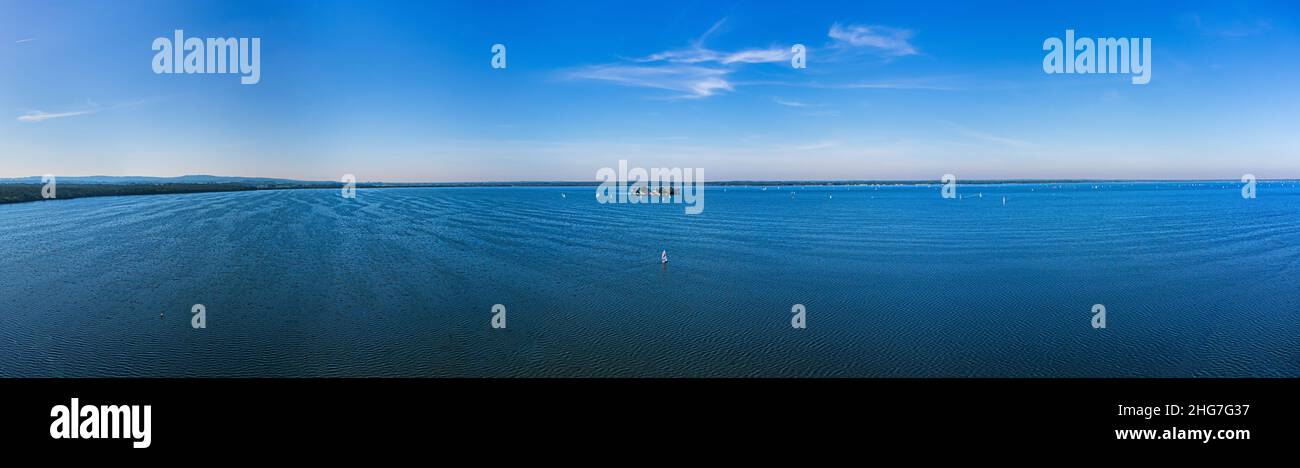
(663, 257)
(1004, 201)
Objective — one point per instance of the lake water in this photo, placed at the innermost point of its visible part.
(896, 281)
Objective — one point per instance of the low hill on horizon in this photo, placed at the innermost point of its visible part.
(185, 179)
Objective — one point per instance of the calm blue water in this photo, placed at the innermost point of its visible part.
(896, 281)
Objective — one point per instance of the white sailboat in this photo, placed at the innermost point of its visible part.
(663, 257)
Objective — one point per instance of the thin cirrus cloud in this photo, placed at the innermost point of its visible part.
(930, 83)
(24, 41)
(988, 137)
(693, 81)
(698, 71)
(699, 54)
(694, 72)
(39, 116)
(922, 84)
(1237, 29)
(892, 42)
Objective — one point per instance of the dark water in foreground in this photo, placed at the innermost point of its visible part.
(896, 281)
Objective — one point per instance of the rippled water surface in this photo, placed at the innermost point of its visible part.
(896, 281)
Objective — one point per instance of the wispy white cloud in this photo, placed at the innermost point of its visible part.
(691, 55)
(694, 81)
(807, 110)
(23, 41)
(935, 83)
(820, 145)
(39, 116)
(771, 55)
(1013, 142)
(822, 113)
(698, 54)
(1230, 30)
(715, 29)
(696, 70)
(885, 85)
(885, 40)
(699, 71)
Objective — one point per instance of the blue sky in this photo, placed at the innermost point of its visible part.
(404, 91)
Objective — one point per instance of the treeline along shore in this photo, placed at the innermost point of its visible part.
(18, 193)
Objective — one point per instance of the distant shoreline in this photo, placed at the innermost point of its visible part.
(21, 192)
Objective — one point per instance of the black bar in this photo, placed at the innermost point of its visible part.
(368, 415)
